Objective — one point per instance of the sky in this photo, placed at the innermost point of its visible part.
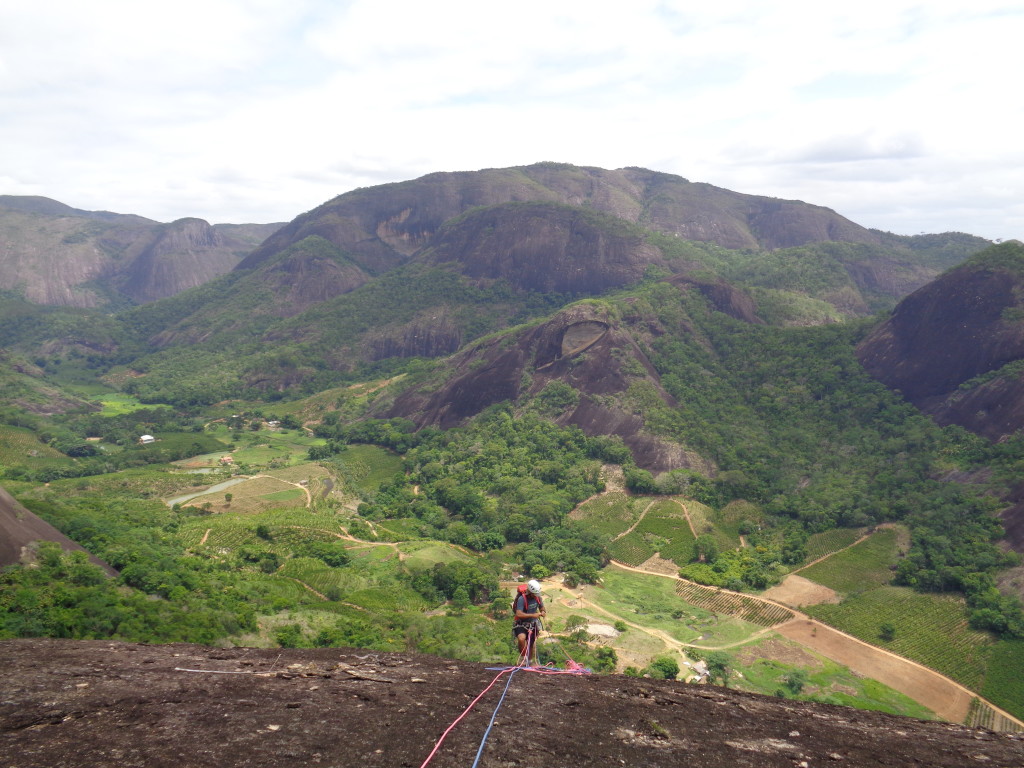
(901, 115)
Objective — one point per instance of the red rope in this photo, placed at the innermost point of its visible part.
(464, 713)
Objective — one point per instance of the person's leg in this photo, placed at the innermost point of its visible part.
(521, 640)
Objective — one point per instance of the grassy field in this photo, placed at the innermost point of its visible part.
(119, 403)
(424, 554)
(258, 494)
(766, 666)
(608, 515)
(652, 601)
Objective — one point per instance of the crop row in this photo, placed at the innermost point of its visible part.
(607, 515)
(631, 549)
(866, 565)
(982, 715)
(930, 629)
(731, 604)
(823, 544)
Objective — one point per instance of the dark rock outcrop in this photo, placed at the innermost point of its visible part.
(384, 225)
(118, 705)
(19, 529)
(580, 347)
(545, 248)
(967, 324)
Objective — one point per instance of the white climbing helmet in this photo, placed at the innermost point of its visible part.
(534, 586)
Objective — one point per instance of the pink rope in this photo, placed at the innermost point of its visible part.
(464, 713)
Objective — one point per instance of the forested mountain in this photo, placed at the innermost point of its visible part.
(507, 342)
(418, 269)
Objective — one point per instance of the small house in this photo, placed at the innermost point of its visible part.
(146, 439)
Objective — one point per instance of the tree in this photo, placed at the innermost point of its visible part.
(664, 668)
(795, 681)
(718, 666)
(705, 549)
(887, 631)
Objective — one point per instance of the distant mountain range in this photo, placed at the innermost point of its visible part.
(53, 254)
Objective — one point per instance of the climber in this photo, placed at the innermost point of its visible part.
(528, 609)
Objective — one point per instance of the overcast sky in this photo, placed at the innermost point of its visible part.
(903, 116)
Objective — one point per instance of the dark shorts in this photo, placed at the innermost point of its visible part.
(523, 629)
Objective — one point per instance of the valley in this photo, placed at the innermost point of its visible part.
(728, 458)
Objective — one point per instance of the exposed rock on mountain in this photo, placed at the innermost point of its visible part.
(432, 334)
(582, 347)
(20, 529)
(951, 346)
(385, 225)
(545, 248)
(105, 704)
(57, 255)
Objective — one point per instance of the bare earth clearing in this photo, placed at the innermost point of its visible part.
(95, 703)
(944, 697)
(796, 591)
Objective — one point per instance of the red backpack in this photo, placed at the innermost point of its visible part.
(523, 590)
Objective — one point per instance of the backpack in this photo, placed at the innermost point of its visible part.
(523, 590)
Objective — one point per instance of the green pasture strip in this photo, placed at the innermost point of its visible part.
(859, 568)
(307, 470)
(929, 628)
(258, 494)
(732, 604)
(291, 494)
(119, 403)
(826, 681)
(399, 529)
(365, 467)
(421, 555)
(651, 601)
(609, 514)
(824, 544)
(1004, 678)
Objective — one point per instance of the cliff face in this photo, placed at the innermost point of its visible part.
(545, 248)
(581, 347)
(940, 339)
(120, 705)
(61, 256)
(19, 529)
(385, 225)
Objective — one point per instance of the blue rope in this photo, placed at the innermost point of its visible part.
(483, 741)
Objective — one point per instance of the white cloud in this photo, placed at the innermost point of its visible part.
(899, 114)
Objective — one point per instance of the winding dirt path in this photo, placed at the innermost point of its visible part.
(945, 697)
(634, 525)
(686, 514)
